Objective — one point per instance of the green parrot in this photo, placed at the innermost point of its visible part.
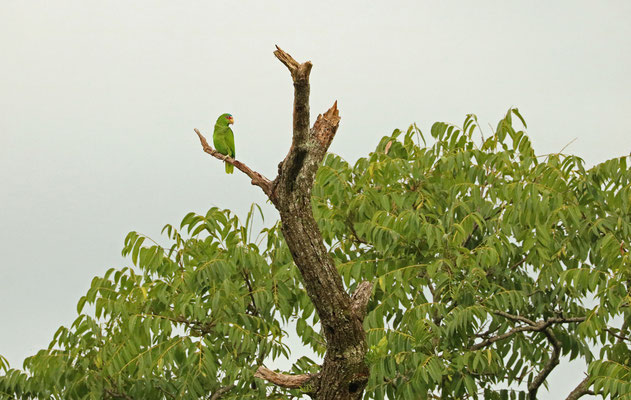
(223, 138)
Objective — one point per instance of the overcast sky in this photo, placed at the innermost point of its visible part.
(99, 101)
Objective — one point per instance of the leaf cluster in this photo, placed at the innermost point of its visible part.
(489, 263)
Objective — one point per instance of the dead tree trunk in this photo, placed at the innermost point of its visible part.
(344, 373)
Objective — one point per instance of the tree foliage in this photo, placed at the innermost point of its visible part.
(490, 264)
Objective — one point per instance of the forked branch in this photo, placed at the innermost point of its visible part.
(531, 326)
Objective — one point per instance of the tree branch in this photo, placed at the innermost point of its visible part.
(515, 317)
(518, 263)
(580, 390)
(344, 371)
(533, 387)
(257, 178)
(247, 282)
(531, 327)
(300, 75)
(116, 395)
(620, 336)
(220, 392)
(503, 336)
(283, 380)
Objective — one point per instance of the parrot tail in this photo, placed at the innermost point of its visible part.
(229, 168)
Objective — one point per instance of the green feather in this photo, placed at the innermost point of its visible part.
(223, 139)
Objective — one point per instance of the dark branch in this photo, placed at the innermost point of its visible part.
(220, 392)
(580, 390)
(247, 282)
(533, 387)
(257, 179)
(518, 263)
(351, 226)
(503, 336)
(515, 317)
(619, 335)
(283, 380)
(531, 327)
(116, 395)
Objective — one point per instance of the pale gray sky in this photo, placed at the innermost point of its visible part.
(99, 100)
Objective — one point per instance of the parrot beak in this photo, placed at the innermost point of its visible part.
(231, 120)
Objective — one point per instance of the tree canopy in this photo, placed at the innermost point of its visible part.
(489, 264)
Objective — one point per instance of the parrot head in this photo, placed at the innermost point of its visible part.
(225, 119)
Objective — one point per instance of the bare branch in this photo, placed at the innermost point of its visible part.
(580, 390)
(257, 178)
(344, 369)
(326, 125)
(300, 76)
(283, 380)
(298, 71)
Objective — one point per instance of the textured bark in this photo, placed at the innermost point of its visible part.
(580, 390)
(344, 373)
(282, 380)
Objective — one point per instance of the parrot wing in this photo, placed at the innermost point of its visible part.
(230, 143)
(223, 139)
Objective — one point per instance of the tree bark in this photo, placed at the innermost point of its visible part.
(580, 390)
(344, 373)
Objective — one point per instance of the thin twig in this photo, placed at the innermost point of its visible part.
(247, 282)
(530, 327)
